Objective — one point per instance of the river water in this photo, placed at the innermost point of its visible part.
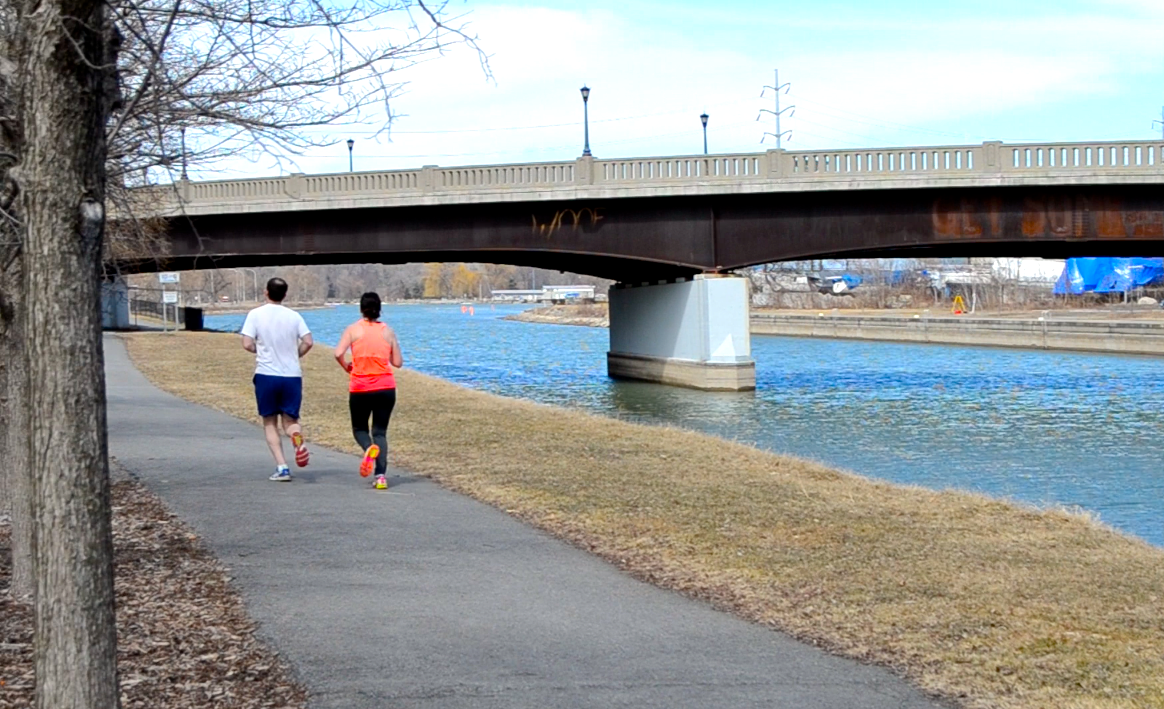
(1048, 428)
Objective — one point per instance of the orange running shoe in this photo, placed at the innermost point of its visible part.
(368, 464)
(302, 456)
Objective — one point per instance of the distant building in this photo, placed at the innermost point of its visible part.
(566, 294)
(517, 296)
(548, 294)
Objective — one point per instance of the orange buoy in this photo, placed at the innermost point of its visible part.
(470, 310)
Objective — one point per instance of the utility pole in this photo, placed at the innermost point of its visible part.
(184, 177)
(776, 89)
(1160, 123)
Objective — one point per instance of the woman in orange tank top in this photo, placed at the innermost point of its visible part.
(372, 389)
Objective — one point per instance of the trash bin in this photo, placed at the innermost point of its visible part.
(193, 319)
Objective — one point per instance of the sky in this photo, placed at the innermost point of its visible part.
(861, 74)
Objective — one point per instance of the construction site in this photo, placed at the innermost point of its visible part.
(962, 286)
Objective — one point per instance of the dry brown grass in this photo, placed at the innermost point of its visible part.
(976, 600)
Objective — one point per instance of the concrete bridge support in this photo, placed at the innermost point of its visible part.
(692, 333)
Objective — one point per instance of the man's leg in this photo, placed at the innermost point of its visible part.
(295, 433)
(291, 426)
(274, 442)
(291, 399)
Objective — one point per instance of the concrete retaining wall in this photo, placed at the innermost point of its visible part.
(1121, 337)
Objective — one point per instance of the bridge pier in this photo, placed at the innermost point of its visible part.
(692, 333)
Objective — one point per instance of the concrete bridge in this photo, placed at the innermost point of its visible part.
(649, 220)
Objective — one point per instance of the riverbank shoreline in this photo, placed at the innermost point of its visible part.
(1135, 337)
(980, 601)
(1132, 332)
(580, 315)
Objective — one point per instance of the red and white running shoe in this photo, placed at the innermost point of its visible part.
(302, 456)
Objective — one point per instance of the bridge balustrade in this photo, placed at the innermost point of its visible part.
(686, 168)
(1090, 156)
(869, 162)
(775, 170)
(507, 175)
(362, 182)
(236, 189)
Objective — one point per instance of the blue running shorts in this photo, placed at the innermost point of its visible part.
(278, 395)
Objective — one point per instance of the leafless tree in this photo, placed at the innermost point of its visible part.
(15, 491)
(200, 81)
(67, 74)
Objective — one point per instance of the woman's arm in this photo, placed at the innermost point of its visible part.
(341, 350)
(397, 359)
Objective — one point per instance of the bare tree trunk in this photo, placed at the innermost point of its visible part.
(63, 178)
(15, 476)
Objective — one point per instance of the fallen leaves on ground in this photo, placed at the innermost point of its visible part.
(183, 635)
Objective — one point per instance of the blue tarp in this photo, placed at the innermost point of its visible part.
(1109, 275)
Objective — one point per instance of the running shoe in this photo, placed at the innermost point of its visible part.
(282, 475)
(301, 455)
(381, 483)
(368, 464)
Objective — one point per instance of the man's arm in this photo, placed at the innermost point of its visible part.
(248, 334)
(305, 341)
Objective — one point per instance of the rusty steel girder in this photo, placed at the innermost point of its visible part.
(648, 239)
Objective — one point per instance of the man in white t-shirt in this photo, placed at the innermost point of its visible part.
(279, 337)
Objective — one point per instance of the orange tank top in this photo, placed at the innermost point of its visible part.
(371, 359)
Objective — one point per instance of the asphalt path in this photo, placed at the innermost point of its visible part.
(421, 597)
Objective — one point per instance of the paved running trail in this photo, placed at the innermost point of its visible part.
(426, 598)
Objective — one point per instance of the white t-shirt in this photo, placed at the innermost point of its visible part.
(276, 331)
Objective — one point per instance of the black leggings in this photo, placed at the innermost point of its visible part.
(377, 405)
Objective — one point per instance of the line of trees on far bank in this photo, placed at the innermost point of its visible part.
(318, 284)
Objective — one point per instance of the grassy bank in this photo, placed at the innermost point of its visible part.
(976, 600)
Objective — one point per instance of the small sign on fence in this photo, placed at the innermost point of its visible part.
(169, 296)
(168, 277)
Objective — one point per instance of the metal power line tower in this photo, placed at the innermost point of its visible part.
(776, 88)
(1160, 123)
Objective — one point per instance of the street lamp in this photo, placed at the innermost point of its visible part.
(351, 144)
(586, 120)
(703, 118)
(184, 153)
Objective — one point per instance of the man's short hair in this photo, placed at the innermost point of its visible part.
(277, 289)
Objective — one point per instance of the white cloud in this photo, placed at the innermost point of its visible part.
(856, 80)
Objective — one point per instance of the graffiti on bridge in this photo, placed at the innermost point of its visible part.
(585, 220)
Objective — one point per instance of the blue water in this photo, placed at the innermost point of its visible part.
(1049, 428)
